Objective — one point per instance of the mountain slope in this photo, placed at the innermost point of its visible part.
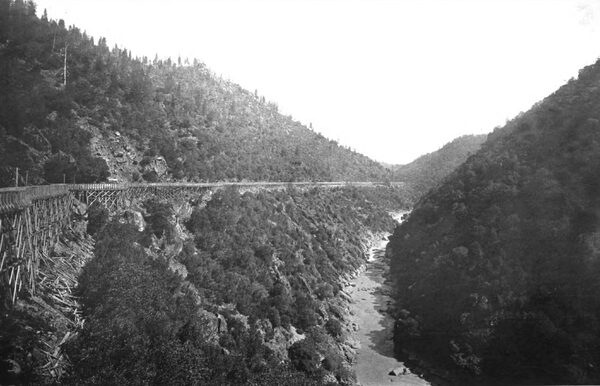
(497, 269)
(427, 171)
(233, 289)
(131, 118)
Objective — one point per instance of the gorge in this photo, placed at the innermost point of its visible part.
(372, 320)
(160, 224)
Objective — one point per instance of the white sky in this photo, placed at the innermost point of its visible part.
(391, 79)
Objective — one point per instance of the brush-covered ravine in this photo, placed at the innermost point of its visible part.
(242, 288)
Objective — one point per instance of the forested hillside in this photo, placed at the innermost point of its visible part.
(72, 108)
(238, 289)
(429, 170)
(497, 270)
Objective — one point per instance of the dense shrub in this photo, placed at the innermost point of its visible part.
(334, 328)
(159, 216)
(144, 326)
(304, 356)
(98, 217)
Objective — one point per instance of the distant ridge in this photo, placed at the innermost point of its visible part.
(427, 171)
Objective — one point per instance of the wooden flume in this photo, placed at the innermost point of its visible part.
(33, 217)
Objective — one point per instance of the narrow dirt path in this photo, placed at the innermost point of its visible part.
(375, 356)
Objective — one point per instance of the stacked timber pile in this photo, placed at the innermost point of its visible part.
(38, 326)
(57, 279)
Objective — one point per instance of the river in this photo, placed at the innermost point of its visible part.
(375, 357)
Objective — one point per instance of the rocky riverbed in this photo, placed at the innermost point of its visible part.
(375, 362)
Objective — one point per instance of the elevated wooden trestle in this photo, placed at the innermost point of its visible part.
(32, 217)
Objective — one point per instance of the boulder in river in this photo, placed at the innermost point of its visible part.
(400, 370)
